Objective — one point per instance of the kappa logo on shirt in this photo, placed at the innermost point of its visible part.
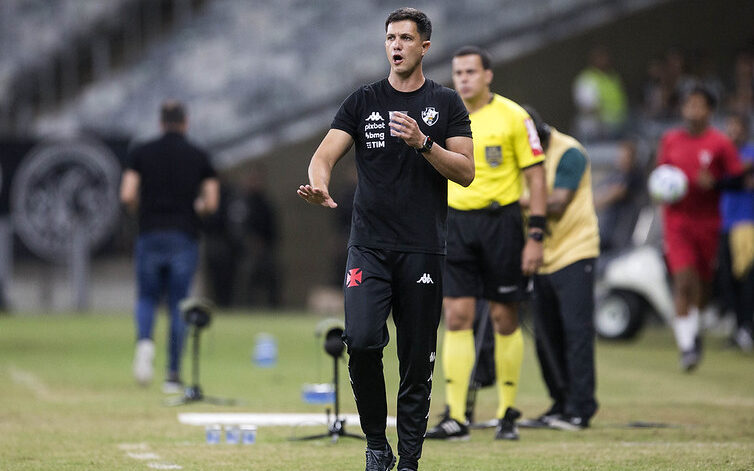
(353, 277)
(375, 116)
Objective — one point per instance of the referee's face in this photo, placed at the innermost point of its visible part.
(404, 47)
(470, 79)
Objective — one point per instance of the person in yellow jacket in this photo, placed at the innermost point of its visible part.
(489, 253)
(563, 304)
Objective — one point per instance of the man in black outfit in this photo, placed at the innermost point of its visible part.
(171, 183)
(411, 136)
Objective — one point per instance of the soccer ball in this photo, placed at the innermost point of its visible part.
(667, 184)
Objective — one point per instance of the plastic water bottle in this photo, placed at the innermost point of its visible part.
(232, 435)
(213, 433)
(248, 434)
(265, 351)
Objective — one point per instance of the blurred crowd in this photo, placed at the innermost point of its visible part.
(241, 244)
(605, 111)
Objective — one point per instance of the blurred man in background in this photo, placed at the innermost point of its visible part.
(259, 270)
(170, 183)
(564, 286)
(736, 253)
(619, 198)
(487, 255)
(691, 226)
(411, 135)
(600, 99)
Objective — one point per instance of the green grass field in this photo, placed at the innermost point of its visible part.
(68, 401)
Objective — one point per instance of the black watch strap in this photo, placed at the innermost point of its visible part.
(427, 146)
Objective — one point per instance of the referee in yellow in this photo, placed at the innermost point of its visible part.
(490, 253)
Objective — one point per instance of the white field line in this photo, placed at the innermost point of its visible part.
(31, 382)
(274, 419)
(143, 456)
(133, 446)
(146, 455)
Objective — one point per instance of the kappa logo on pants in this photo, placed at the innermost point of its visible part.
(425, 279)
(353, 277)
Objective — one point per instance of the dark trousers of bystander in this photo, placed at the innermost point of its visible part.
(564, 309)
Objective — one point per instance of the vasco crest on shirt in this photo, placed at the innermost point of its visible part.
(429, 115)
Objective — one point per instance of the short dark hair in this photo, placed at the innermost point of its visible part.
(705, 93)
(423, 25)
(476, 51)
(172, 112)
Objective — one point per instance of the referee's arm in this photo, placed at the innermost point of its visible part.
(334, 146)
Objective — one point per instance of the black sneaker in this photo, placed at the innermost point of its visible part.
(690, 358)
(543, 421)
(380, 460)
(570, 423)
(506, 427)
(449, 429)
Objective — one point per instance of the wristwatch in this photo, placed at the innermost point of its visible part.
(537, 236)
(427, 146)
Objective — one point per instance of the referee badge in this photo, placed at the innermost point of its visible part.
(429, 115)
(494, 155)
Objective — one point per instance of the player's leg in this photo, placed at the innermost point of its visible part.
(147, 264)
(368, 295)
(184, 257)
(458, 353)
(549, 338)
(417, 307)
(505, 286)
(681, 254)
(509, 356)
(574, 286)
(461, 286)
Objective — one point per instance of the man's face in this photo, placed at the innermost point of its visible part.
(695, 110)
(470, 79)
(404, 46)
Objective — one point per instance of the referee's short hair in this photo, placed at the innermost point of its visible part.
(478, 51)
(172, 112)
(423, 25)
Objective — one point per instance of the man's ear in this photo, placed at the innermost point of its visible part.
(425, 47)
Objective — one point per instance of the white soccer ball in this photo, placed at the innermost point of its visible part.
(667, 184)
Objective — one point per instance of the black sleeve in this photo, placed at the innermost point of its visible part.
(133, 161)
(459, 123)
(346, 119)
(208, 171)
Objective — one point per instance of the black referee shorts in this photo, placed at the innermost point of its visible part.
(484, 254)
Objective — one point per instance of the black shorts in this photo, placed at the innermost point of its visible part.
(484, 254)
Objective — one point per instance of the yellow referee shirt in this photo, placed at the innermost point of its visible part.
(505, 142)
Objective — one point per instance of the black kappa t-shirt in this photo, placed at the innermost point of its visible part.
(401, 201)
(171, 171)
